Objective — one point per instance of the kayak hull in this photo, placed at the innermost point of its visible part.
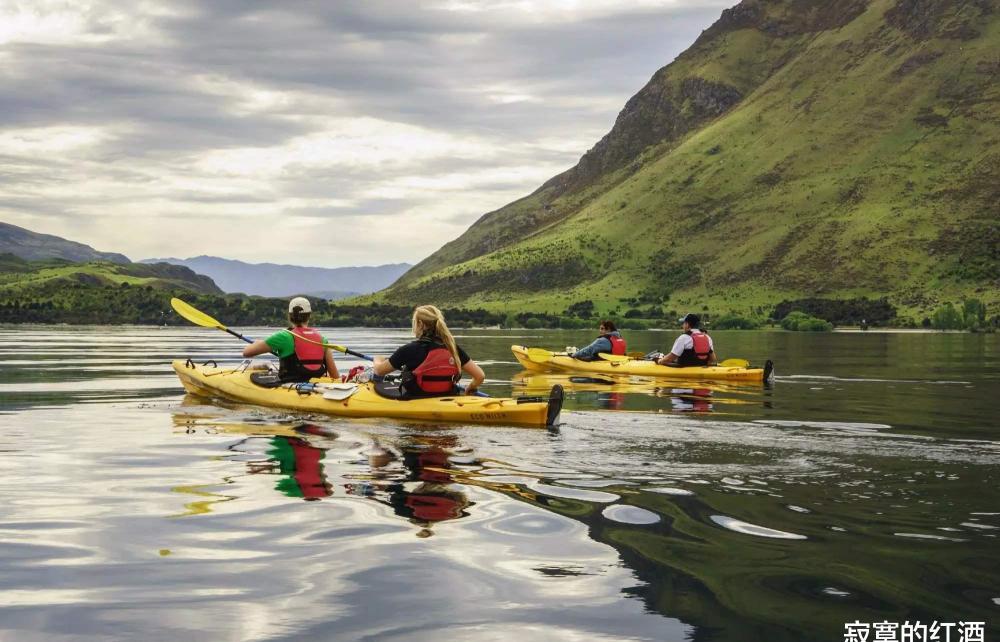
(641, 368)
(229, 383)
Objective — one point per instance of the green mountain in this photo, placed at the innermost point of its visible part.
(58, 291)
(799, 148)
(33, 246)
(19, 276)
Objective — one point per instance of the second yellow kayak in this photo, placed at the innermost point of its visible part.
(642, 368)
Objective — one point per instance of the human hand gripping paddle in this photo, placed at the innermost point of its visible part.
(197, 317)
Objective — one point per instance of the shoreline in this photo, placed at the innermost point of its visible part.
(839, 330)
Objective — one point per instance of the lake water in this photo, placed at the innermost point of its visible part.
(861, 486)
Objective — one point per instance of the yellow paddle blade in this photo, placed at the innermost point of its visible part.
(735, 363)
(540, 355)
(614, 357)
(194, 315)
(635, 355)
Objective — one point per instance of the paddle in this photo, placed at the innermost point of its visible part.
(728, 363)
(197, 317)
(541, 355)
(338, 348)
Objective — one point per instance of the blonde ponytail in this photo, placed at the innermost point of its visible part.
(429, 321)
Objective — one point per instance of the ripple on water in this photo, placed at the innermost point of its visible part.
(836, 592)
(625, 514)
(597, 496)
(668, 490)
(940, 538)
(531, 525)
(594, 483)
(747, 528)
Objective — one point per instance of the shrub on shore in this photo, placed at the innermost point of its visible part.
(797, 321)
(734, 322)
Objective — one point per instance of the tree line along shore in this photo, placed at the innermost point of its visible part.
(125, 303)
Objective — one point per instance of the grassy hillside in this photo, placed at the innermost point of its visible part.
(57, 291)
(798, 149)
(18, 276)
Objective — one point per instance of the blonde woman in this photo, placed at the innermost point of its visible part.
(434, 363)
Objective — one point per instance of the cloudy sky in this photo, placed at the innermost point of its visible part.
(311, 132)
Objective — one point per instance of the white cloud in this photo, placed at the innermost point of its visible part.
(59, 139)
(324, 134)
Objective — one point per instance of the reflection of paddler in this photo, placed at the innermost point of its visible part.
(691, 400)
(433, 499)
(611, 400)
(302, 465)
(427, 465)
(428, 503)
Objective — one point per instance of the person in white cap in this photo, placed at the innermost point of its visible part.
(691, 349)
(298, 360)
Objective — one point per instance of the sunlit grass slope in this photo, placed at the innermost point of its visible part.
(799, 148)
(44, 280)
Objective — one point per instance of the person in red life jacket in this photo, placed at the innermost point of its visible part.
(432, 364)
(610, 341)
(693, 348)
(298, 360)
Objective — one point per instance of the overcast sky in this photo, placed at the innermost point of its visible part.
(322, 133)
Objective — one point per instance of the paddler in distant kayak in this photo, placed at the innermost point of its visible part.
(693, 348)
(433, 364)
(610, 341)
(298, 360)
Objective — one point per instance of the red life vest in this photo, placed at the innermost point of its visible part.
(437, 373)
(698, 354)
(308, 359)
(309, 469)
(617, 343)
(702, 348)
(433, 508)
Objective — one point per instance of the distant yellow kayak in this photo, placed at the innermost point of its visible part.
(638, 368)
(328, 397)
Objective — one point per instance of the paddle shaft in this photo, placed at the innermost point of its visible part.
(236, 334)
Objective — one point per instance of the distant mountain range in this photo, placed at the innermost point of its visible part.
(271, 279)
(32, 246)
(263, 279)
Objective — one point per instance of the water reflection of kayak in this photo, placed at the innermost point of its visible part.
(642, 368)
(536, 382)
(610, 393)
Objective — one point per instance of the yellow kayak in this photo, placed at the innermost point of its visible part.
(329, 397)
(641, 368)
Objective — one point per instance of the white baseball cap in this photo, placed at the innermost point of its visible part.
(301, 303)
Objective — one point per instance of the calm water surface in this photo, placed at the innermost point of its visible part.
(862, 485)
